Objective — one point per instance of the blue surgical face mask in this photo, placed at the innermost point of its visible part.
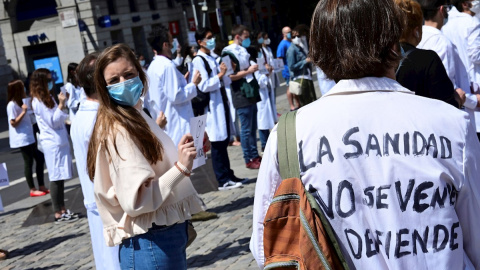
(260, 41)
(126, 93)
(289, 35)
(50, 85)
(142, 63)
(210, 44)
(246, 43)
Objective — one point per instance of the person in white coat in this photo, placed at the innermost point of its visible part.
(21, 135)
(400, 190)
(274, 81)
(75, 92)
(168, 89)
(463, 29)
(432, 38)
(265, 117)
(53, 139)
(105, 257)
(218, 116)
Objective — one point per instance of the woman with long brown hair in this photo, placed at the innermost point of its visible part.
(21, 136)
(53, 139)
(141, 184)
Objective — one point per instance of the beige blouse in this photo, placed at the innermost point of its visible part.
(131, 193)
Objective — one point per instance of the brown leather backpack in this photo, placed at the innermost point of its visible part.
(296, 233)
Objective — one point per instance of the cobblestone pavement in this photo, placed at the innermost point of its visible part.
(221, 243)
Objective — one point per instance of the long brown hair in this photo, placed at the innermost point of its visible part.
(111, 114)
(16, 92)
(39, 87)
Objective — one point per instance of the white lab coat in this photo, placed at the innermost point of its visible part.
(76, 95)
(464, 32)
(54, 140)
(265, 115)
(274, 82)
(216, 123)
(105, 257)
(170, 93)
(368, 190)
(324, 82)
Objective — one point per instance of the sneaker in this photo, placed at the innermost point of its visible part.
(230, 185)
(259, 159)
(37, 193)
(69, 213)
(239, 180)
(65, 219)
(253, 164)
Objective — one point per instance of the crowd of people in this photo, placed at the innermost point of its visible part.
(391, 70)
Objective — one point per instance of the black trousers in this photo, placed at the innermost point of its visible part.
(30, 153)
(221, 161)
(57, 192)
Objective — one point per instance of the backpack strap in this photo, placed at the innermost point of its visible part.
(205, 62)
(287, 146)
(290, 168)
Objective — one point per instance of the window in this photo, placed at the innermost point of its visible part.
(133, 5)
(112, 8)
(117, 37)
(152, 4)
(170, 3)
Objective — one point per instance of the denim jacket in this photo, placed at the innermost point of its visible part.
(297, 64)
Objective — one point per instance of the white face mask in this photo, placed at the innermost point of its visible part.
(475, 7)
(267, 41)
(296, 41)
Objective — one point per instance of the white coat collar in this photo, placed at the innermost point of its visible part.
(431, 30)
(367, 84)
(89, 105)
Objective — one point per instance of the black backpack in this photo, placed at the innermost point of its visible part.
(201, 101)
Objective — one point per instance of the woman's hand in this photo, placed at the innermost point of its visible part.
(24, 108)
(186, 151)
(161, 120)
(206, 143)
(197, 78)
(62, 98)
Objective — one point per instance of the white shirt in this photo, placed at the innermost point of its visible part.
(81, 131)
(216, 123)
(362, 184)
(76, 95)
(22, 134)
(169, 92)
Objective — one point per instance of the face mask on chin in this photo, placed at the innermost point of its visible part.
(267, 41)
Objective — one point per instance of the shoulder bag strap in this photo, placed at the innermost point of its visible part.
(287, 146)
(206, 64)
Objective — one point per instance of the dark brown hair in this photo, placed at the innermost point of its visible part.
(238, 30)
(412, 17)
(458, 4)
(15, 92)
(430, 7)
(39, 87)
(86, 72)
(111, 115)
(352, 39)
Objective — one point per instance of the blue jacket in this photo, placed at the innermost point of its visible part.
(296, 59)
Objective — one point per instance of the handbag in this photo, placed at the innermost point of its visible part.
(295, 87)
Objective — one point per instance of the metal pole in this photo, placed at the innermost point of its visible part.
(219, 18)
(194, 12)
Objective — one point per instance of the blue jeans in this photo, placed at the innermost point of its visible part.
(248, 131)
(263, 134)
(162, 247)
